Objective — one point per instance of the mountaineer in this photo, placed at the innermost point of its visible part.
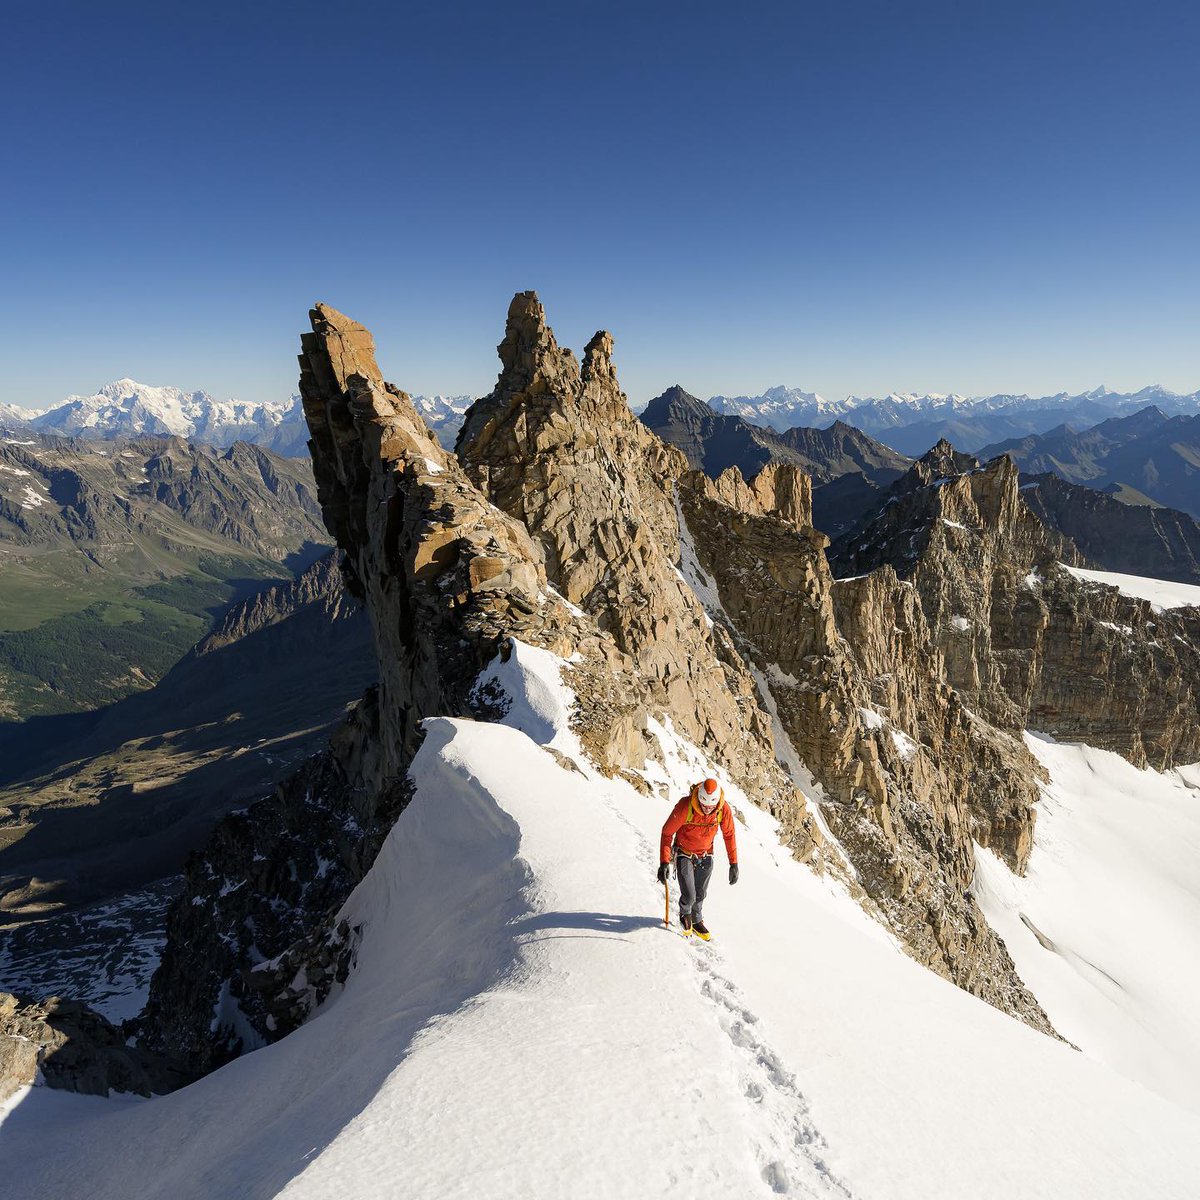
(688, 835)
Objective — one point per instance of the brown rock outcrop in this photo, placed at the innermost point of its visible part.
(633, 538)
(65, 1044)
(447, 580)
(566, 524)
(1026, 643)
(558, 448)
(905, 780)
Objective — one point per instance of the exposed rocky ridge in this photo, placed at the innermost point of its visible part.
(1134, 539)
(319, 585)
(841, 681)
(447, 580)
(558, 448)
(551, 446)
(905, 781)
(847, 466)
(1026, 644)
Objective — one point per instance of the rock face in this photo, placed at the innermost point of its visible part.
(565, 523)
(905, 781)
(633, 538)
(446, 580)
(1134, 539)
(66, 1045)
(557, 448)
(1026, 644)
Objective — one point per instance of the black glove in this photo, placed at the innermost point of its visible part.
(664, 869)
(733, 874)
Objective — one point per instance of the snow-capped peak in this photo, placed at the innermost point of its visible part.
(783, 407)
(127, 408)
(438, 407)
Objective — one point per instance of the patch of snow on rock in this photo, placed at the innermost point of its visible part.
(905, 746)
(1161, 593)
(871, 719)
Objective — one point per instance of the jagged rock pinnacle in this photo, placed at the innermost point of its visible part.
(597, 357)
(350, 349)
(529, 344)
(942, 459)
(531, 364)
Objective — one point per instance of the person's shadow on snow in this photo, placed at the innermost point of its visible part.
(595, 922)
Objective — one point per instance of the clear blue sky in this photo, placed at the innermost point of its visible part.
(844, 197)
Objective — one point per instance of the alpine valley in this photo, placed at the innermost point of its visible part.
(349, 888)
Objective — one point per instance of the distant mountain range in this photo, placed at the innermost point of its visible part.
(126, 408)
(1147, 457)
(108, 801)
(848, 467)
(912, 423)
(1125, 492)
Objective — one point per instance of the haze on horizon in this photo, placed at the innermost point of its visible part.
(948, 198)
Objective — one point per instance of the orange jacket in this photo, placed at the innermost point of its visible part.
(694, 833)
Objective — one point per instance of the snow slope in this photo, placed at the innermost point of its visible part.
(1105, 925)
(520, 1024)
(1162, 593)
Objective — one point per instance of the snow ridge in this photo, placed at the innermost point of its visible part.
(514, 977)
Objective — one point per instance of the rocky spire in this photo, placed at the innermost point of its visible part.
(633, 537)
(563, 453)
(447, 580)
(531, 364)
(942, 461)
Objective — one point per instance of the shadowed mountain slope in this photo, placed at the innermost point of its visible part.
(1136, 539)
(846, 465)
(1146, 453)
(110, 808)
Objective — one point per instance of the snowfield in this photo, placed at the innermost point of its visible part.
(1161, 593)
(521, 1024)
(1104, 925)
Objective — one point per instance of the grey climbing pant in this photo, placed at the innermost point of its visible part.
(693, 875)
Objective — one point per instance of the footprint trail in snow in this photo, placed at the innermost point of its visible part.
(790, 1148)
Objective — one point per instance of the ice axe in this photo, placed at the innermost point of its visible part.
(667, 902)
